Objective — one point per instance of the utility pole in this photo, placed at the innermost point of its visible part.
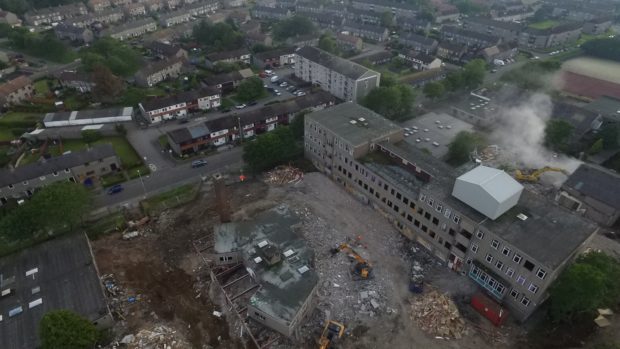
(142, 182)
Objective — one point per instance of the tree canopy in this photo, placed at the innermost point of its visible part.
(292, 27)
(607, 48)
(58, 206)
(218, 37)
(271, 149)
(107, 85)
(43, 45)
(592, 282)
(64, 329)
(394, 102)
(434, 90)
(121, 59)
(250, 89)
(470, 77)
(557, 133)
(461, 146)
(387, 19)
(328, 43)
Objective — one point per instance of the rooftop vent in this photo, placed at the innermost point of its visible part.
(258, 260)
(263, 243)
(32, 271)
(361, 119)
(521, 216)
(35, 303)
(6, 292)
(303, 269)
(288, 253)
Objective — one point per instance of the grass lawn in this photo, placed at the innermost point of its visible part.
(163, 141)
(129, 157)
(169, 199)
(544, 24)
(134, 95)
(133, 172)
(23, 119)
(6, 134)
(41, 87)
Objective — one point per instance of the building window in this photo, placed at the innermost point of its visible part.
(447, 212)
(25, 182)
(499, 265)
(10, 186)
(55, 173)
(432, 234)
(447, 245)
(424, 228)
(438, 208)
(517, 258)
(533, 288)
(468, 261)
(435, 221)
(489, 258)
(412, 205)
(521, 279)
(392, 191)
(541, 274)
(474, 248)
(525, 301)
(422, 197)
(427, 215)
(506, 251)
(66, 170)
(398, 196)
(514, 294)
(528, 265)
(416, 223)
(456, 219)
(495, 244)
(405, 201)
(510, 272)
(430, 202)
(410, 218)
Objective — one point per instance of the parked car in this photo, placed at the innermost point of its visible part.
(274, 78)
(284, 84)
(300, 93)
(240, 106)
(199, 163)
(115, 189)
(268, 72)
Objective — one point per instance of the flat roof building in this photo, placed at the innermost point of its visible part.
(342, 78)
(511, 242)
(58, 274)
(88, 117)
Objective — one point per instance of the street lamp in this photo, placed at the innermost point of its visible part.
(142, 181)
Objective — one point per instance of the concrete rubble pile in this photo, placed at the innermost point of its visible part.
(159, 337)
(284, 175)
(437, 315)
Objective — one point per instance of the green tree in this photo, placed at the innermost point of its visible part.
(107, 85)
(596, 147)
(473, 73)
(64, 329)
(454, 81)
(387, 19)
(327, 43)
(592, 282)
(292, 27)
(609, 134)
(388, 79)
(434, 90)
(461, 147)
(297, 125)
(393, 102)
(250, 89)
(557, 133)
(91, 136)
(218, 37)
(43, 45)
(607, 48)
(120, 58)
(271, 149)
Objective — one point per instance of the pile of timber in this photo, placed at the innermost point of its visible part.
(437, 315)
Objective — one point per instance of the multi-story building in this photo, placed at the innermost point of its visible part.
(324, 21)
(597, 26)
(420, 60)
(77, 166)
(559, 35)
(79, 81)
(225, 82)
(366, 31)
(236, 56)
(380, 6)
(419, 43)
(451, 51)
(308, 7)
(468, 38)
(10, 18)
(16, 90)
(594, 192)
(363, 16)
(99, 5)
(173, 18)
(119, 3)
(274, 58)
(164, 50)
(159, 71)
(349, 43)
(511, 242)
(202, 8)
(229, 128)
(179, 105)
(344, 79)
(414, 24)
(263, 12)
(134, 9)
(73, 33)
(49, 15)
(131, 29)
(108, 16)
(507, 31)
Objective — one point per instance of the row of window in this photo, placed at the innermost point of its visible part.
(517, 258)
(439, 208)
(510, 272)
(42, 178)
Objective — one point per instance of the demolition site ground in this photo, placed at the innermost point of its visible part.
(159, 287)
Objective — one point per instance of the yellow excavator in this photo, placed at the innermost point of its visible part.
(534, 175)
(361, 270)
(331, 333)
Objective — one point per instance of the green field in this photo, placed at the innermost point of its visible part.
(546, 24)
(41, 87)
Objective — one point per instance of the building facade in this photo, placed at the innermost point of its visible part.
(166, 108)
(344, 79)
(481, 223)
(16, 90)
(131, 29)
(157, 72)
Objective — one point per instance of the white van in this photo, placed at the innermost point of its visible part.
(274, 78)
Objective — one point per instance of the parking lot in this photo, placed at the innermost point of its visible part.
(285, 86)
(434, 131)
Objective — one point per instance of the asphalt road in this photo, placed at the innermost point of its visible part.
(160, 181)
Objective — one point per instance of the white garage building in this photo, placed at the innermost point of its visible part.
(88, 117)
